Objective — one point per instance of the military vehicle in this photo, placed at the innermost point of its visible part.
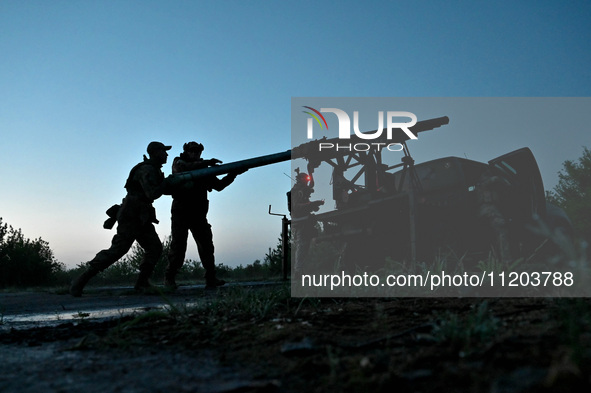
(414, 211)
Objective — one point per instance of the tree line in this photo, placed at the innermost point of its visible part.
(25, 262)
(573, 193)
(31, 263)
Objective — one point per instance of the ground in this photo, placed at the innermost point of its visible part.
(258, 339)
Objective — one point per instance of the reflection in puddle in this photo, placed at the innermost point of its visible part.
(27, 321)
(189, 297)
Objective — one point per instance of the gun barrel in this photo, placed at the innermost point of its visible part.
(301, 151)
(237, 166)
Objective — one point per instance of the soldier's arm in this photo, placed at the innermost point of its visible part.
(316, 204)
(220, 184)
(301, 203)
(180, 165)
(311, 206)
(152, 181)
(212, 162)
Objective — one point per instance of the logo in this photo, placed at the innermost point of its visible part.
(310, 124)
(345, 128)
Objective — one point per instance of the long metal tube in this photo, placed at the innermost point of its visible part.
(303, 151)
(237, 166)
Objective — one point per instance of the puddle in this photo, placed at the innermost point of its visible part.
(27, 321)
(31, 310)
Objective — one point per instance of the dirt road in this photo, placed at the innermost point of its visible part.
(22, 310)
(265, 341)
(43, 335)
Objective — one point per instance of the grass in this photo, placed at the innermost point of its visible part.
(466, 333)
(574, 317)
(208, 317)
(241, 302)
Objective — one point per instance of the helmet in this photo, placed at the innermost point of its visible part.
(193, 146)
(302, 178)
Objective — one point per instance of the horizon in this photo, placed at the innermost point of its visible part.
(86, 86)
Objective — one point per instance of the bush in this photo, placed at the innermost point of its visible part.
(573, 193)
(25, 262)
(126, 270)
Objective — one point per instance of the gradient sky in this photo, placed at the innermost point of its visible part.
(86, 85)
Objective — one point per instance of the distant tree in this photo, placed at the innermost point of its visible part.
(25, 262)
(126, 269)
(273, 261)
(573, 193)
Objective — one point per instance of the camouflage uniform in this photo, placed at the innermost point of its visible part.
(302, 231)
(489, 191)
(136, 218)
(189, 213)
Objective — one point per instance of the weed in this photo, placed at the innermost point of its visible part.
(574, 317)
(252, 303)
(466, 333)
(333, 363)
(123, 335)
(145, 317)
(494, 265)
(313, 302)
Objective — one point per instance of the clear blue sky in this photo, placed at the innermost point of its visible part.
(86, 85)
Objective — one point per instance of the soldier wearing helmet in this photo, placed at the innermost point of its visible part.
(136, 218)
(301, 208)
(189, 213)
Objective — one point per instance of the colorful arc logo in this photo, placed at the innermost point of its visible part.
(316, 117)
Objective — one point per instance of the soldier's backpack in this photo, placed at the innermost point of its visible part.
(112, 213)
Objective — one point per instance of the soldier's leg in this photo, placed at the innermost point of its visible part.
(201, 231)
(297, 250)
(148, 239)
(178, 248)
(120, 244)
(301, 239)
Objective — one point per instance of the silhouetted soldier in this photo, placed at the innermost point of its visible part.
(189, 213)
(301, 207)
(136, 217)
(489, 190)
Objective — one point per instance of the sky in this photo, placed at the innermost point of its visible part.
(86, 85)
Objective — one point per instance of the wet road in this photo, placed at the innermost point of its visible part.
(22, 310)
(50, 360)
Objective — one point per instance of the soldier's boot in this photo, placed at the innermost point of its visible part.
(80, 282)
(212, 282)
(143, 280)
